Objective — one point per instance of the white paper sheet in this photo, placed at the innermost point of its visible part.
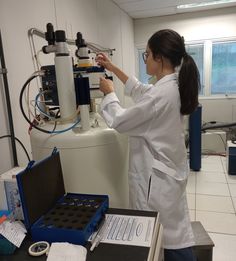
(126, 230)
(13, 231)
(66, 252)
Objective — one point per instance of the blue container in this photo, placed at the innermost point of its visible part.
(195, 135)
(6, 247)
(231, 157)
(52, 215)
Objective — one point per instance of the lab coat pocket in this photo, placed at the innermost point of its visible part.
(155, 191)
(165, 191)
(179, 175)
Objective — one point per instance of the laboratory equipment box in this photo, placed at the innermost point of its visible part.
(9, 194)
(52, 215)
(231, 157)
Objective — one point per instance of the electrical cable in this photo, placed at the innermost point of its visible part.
(212, 153)
(218, 126)
(49, 116)
(8, 102)
(29, 103)
(222, 140)
(35, 112)
(22, 145)
(31, 123)
(37, 105)
(26, 96)
(22, 108)
(55, 123)
(67, 129)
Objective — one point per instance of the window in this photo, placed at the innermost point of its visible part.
(216, 62)
(223, 74)
(143, 76)
(196, 51)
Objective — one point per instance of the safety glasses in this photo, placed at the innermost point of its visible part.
(145, 56)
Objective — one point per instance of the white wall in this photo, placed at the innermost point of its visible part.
(99, 21)
(16, 17)
(194, 26)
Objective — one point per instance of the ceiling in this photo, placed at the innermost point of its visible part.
(150, 8)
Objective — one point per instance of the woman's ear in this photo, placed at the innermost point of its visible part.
(158, 59)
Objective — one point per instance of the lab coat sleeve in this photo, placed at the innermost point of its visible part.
(135, 89)
(133, 121)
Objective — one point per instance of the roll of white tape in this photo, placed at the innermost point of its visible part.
(39, 248)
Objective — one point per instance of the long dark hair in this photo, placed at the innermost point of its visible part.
(169, 44)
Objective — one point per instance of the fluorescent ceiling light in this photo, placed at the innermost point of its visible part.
(203, 4)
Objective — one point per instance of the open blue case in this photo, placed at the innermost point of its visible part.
(50, 213)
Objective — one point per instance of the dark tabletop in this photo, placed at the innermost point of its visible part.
(102, 252)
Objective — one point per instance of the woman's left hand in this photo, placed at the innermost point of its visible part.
(106, 85)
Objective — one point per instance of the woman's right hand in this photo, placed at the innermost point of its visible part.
(103, 60)
(106, 86)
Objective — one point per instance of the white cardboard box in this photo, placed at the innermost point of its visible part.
(9, 193)
(214, 141)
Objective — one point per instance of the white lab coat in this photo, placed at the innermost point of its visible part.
(158, 166)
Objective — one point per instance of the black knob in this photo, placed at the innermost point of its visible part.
(80, 41)
(60, 36)
(49, 35)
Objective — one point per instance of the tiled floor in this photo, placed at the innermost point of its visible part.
(211, 197)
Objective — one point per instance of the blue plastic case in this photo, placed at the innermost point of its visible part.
(52, 215)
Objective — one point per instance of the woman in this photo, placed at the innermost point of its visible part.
(158, 168)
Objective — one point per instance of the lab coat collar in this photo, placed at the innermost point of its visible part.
(166, 78)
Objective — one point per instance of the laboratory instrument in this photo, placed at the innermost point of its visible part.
(94, 157)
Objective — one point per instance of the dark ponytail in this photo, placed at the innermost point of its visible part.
(170, 44)
(189, 85)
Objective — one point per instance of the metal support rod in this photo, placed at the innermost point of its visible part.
(8, 102)
(35, 31)
(93, 47)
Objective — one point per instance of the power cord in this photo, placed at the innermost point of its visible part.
(22, 145)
